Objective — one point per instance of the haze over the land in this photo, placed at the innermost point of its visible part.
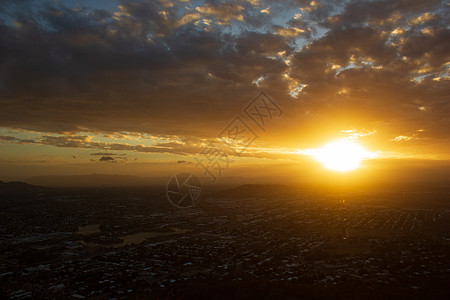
(140, 87)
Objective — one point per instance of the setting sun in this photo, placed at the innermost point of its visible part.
(341, 155)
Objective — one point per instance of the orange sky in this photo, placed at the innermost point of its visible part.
(142, 87)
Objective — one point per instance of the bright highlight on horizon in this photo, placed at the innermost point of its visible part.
(341, 155)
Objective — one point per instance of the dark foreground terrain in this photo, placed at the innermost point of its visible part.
(252, 242)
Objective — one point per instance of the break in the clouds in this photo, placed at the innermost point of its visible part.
(185, 68)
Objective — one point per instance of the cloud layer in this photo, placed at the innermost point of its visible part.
(187, 68)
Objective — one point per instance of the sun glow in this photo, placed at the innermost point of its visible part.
(341, 155)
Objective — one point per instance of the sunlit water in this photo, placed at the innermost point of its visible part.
(135, 238)
(89, 229)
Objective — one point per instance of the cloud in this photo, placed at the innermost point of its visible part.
(11, 139)
(172, 68)
(186, 147)
(107, 159)
(102, 153)
(290, 31)
(402, 138)
(222, 11)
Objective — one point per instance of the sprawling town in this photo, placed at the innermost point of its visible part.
(117, 244)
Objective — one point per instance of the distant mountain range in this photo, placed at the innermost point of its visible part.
(259, 185)
(110, 180)
(93, 180)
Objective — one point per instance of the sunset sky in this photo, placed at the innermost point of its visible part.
(142, 87)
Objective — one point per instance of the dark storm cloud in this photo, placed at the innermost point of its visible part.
(171, 68)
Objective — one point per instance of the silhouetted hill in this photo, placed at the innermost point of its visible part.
(19, 188)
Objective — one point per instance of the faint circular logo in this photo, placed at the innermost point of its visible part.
(184, 190)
